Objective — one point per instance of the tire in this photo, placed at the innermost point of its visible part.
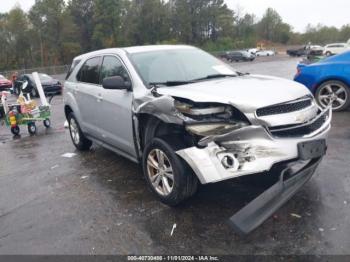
(328, 53)
(15, 130)
(47, 123)
(77, 136)
(333, 90)
(183, 183)
(32, 128)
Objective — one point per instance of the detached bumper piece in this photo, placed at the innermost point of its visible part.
(260, 209)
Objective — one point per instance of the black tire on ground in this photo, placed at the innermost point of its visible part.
(15, 130)
(328, 53)
(185, 183)
(47, 123)
(32, 128)
(80, 141)
(346, 95)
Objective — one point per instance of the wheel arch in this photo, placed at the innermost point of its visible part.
(331, 78)
(150, 126)
(67, 110)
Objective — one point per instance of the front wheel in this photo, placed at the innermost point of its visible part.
(167, 175)
(78, 138)
(333, 92)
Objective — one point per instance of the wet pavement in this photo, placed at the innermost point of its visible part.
(98, 203)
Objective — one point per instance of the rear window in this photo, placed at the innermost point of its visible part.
(90, 71)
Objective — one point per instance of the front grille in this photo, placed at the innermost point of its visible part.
(284, 108)
(300, 130)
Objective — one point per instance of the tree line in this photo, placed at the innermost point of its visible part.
(52, 32)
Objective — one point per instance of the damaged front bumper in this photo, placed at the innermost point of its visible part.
(253, 150)
(247, 151)
(257, 211)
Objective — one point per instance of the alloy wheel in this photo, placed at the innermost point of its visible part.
(334, 94)
(160, 172)
(74, 130)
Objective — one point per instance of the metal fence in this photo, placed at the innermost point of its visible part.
(50, 70)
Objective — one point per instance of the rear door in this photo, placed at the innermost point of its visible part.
(115, 109)
(87, 92)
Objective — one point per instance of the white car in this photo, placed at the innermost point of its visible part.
(265, 53)
(336, 48)
(252, 51)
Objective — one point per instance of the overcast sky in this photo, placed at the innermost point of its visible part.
(298, 13)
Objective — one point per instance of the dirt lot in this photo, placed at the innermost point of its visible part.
(98, 203)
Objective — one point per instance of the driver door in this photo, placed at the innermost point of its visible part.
(115, 108)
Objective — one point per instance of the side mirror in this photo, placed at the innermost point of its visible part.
(116, 83)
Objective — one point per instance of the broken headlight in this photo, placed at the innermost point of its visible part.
(210, 119)
(213, 129)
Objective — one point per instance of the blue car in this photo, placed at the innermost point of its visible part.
(328, 80)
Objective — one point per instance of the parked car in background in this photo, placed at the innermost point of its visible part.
(334, 49)
(315, 50)
(252, 51)
(4, 83)
(328, 80)
(50, 85)
(265, 53)
(189, 118)
(238, 56)
(297, 52)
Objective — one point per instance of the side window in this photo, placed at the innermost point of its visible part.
(72, 67)
(112, 66)
(90, 71)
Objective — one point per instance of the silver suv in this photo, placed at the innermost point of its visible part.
(189, 118)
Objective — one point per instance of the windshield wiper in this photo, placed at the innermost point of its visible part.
(214, 76)
(171, 83)
(179, 83)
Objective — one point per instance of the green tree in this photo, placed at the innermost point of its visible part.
(82, 13)
(272, 28)
(107, 18)
(16, 38)
(49, 21)
(148, 22)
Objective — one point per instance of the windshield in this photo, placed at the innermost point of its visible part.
(44, 77)
(178, 65)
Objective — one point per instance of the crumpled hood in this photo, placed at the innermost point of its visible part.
(246, 93)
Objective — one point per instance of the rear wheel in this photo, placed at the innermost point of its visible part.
(15, 130)
(167, 175)
(333, 92)
(328, 53)
(78, 138)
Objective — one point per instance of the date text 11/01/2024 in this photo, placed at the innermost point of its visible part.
(173, 258)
